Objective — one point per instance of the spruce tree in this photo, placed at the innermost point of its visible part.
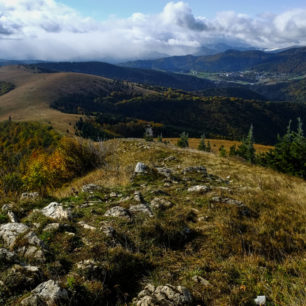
(246, 150)
(183, 140)
(202, 145)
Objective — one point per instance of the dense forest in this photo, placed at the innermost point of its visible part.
(178, 111)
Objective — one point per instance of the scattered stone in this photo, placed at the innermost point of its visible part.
(167, 184)
(138, 197)
(113, 195)
(201, 280)
(118, 212)
(160, 203)
(224, 188)
(141, 208)
(243, 209)
(141, 168)
(29, 196)
(124, 200)
(108, 230)
(165, 172)
(47, 293)
(198, 169)
(91, 188)
(163, 295)
(227, 201)
(52, 227)
(86, 226)
(199, 189)
(7, 207)
(12, 217)
(260, 300)
(88, 267)
(56, 211)
(170, 158)
(7, 257)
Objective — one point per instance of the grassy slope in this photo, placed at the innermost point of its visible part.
(241, 257)
(34, 93)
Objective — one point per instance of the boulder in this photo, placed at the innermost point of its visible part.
(163, 295)
(118, 212)
(29, 196)
(90, 188)
(47, 293)
(56, 211)
(141, 168)
(160, 203)
(199, 189)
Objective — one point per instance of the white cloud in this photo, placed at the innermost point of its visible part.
(49, 30)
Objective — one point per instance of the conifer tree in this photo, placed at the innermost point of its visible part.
(183, 141)
(246, 150)
(202, 145)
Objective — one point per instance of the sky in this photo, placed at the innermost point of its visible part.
(121, 30)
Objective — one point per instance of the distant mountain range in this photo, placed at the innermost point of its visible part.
(289, 61)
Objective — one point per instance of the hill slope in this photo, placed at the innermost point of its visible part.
(241, 236)
(34, 92)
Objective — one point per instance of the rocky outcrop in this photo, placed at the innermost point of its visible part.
(47, 293)
(32, 246)
(56, 211)
(163, 295)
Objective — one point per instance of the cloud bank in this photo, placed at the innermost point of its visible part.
(49, 30)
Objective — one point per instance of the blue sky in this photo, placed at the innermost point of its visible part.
(101, 9)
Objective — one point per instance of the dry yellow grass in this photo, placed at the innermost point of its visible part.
(217, 143)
